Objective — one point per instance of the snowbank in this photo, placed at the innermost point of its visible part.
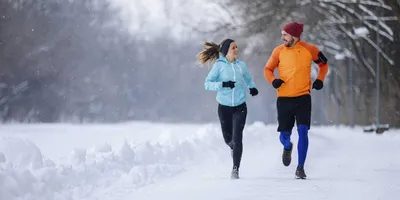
(22, 153)
(25, 175)
(90, 173)
(110, 169)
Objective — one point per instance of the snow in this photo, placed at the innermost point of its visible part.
(340, 56)
(380, 50)
(182, 161)
(361, 31)
(22, 153)
(2, 158)
(362, 15)
(384, 26)
(334, 45)
(375, 3)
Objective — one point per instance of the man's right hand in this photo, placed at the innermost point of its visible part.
(277, 83)
(230, 84)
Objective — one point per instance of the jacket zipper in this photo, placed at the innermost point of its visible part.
(234, 79)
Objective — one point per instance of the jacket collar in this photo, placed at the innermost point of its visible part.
(225, 60)
(294, 46)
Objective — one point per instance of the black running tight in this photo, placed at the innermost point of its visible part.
(233, 120)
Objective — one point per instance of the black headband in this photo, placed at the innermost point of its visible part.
(225, 46)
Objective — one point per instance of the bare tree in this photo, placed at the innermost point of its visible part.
(351, 33)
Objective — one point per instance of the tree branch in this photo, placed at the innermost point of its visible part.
(395, 5)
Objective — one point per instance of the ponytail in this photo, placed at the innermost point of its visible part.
(210, 53)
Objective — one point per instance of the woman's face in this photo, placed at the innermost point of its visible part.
(233, 51)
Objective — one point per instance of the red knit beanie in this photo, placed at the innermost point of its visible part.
(294, 28)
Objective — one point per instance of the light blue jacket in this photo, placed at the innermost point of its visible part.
(237, 71)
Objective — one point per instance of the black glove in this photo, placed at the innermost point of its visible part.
(230, 84)
(318, 84)
(253, 91)
(277, 83)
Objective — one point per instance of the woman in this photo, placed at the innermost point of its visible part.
(228, 77)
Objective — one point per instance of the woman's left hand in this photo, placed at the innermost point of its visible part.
(253, 91)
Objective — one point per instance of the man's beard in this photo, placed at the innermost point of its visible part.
(289, 43)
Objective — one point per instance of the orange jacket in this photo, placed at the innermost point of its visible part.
(294, 68)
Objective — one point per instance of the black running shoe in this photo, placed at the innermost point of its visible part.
(287, 155)
(300, 174)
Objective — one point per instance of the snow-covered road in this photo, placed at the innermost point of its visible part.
(161, 161)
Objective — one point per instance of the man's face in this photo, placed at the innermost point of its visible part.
(287, 39)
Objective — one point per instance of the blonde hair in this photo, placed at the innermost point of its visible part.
(210, 53)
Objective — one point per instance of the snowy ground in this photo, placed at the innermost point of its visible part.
(161, 161)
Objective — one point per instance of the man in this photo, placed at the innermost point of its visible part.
(293, 59)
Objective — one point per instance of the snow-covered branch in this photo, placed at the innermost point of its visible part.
(374, 18)
(391, 62)
(385, 26)
(376, 4)
(365, 62)
(353, 12)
